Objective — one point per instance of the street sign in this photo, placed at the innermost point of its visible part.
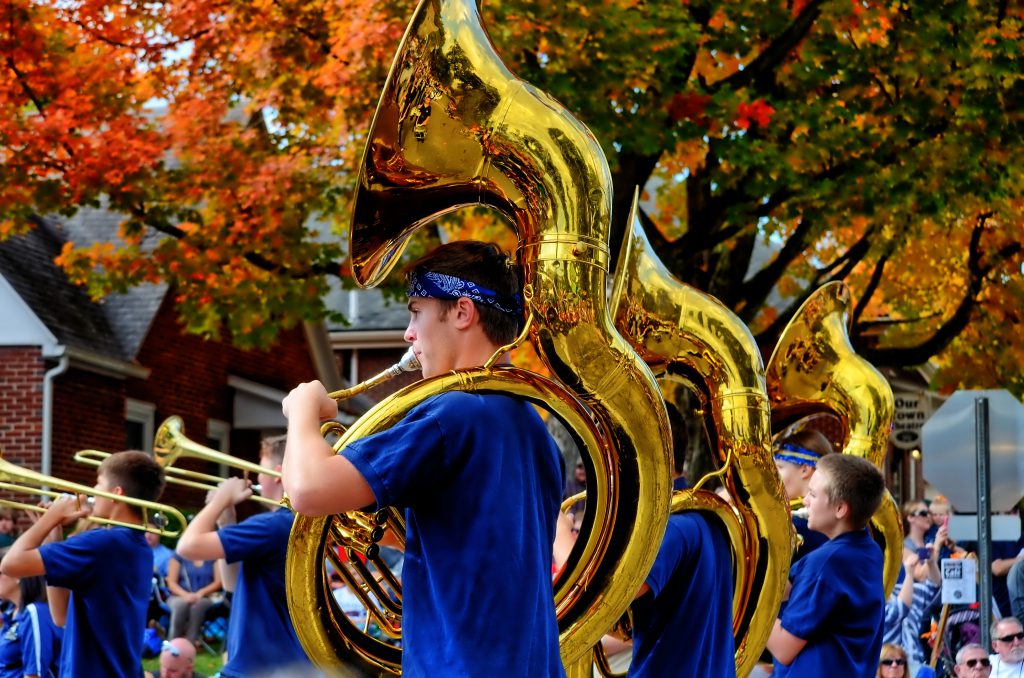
(948, 450)
(912, 410)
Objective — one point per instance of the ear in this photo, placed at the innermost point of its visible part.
(805, 471)
(842, 510)
(464, 314)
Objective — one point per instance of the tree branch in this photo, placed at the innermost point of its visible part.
(948, 331)
(760, 72)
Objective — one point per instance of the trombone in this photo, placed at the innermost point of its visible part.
(170, 444)
(16, 479)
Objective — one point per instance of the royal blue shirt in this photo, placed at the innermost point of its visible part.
(192, 577)
(683, 625)
(260, 632)
(480, 480)
(30, 644)
(836, 605)
(109, 572)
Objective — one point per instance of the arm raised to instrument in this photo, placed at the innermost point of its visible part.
(23, 558)
(317, 481)
(200, 540)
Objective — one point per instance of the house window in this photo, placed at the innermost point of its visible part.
(138, 425)
(218, 437)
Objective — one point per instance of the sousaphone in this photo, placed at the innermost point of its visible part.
(813, 370)
(455, 128)
(688, 337)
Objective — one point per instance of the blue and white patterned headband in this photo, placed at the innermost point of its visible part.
(795, 454)
(440, 286)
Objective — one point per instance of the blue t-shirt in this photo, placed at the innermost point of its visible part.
(192, 577)
(109, 572)
(836, 605)
(30, 644)
(480, 480)
(260, 632)
(161, 556)
(683, 626)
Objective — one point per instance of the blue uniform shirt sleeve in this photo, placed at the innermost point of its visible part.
(416, 453)
(72, 564)
(811, 601)
(36, 643)
(259, 537)
(676, 548)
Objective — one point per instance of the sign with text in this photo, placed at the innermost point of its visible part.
(959, 581)
(912, 411)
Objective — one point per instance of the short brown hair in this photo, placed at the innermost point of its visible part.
(486, 265)
(273, 447)
(857, 482)
(137, 473)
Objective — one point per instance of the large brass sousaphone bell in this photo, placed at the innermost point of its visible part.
(687, 335)
(814, 369)
(455, 128)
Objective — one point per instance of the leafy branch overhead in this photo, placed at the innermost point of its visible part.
(778, 146)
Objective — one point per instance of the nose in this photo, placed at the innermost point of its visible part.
(410, 334)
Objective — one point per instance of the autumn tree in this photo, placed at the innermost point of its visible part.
(779, 145)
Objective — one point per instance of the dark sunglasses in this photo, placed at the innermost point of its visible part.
(894, 662)
(1012, 637)
(971, 663)
(923, 513)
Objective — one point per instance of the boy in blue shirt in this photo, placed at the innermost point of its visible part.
(99, 580)
(691, 580)
(833, 621)
(478, 475)
(261, 638)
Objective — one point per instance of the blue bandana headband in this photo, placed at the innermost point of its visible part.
(440, 286)
(795, 454)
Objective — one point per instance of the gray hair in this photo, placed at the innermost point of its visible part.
(963, 650)
(996, 623)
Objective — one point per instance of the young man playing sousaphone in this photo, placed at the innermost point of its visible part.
(478, 476)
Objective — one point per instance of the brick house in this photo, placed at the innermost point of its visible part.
(78, 374)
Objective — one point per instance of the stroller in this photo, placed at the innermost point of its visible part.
(962, 625)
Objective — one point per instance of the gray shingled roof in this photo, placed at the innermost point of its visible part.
(113, 328)
(370, 311)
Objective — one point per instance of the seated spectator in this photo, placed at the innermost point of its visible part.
(30, 642)
(972, 662)
(892, 663)
(191, 583)
(1008, 643)
(7, 534)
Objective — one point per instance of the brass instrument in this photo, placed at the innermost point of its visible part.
(16, 479)
(455, 128)
(689, 337)
(407, 363)
(814, 369)
(171, 444)
(180, 476)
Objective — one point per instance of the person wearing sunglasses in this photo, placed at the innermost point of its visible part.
(919, 520)
(893, 662)
(1008, 643)
(972, 662)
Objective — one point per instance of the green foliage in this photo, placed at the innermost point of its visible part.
(781, 145)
